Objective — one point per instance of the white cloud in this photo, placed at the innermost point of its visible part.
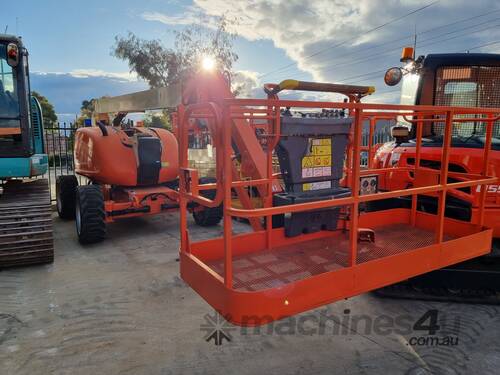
(66, 91)
(328, 39)
(192, 15)
(247, 83)
(184, 19)
(87, 73)
(391, 97)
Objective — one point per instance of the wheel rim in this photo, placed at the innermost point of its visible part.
(78, 218)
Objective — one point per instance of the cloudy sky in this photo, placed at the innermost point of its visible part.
(324, 40)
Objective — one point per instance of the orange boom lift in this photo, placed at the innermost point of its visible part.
(320, 247)
(133, 171)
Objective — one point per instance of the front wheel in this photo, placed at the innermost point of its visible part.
(208, 216)
(66, 196)
(90, 215)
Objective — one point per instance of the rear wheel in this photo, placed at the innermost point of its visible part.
(66, 196)
(208, 216)
(90, 214)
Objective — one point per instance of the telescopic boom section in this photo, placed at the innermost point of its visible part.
(159, 98)
(204, 87)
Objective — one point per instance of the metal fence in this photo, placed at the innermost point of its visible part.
(382, 135)
(59, 141)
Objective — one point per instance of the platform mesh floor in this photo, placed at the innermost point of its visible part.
(282, 265)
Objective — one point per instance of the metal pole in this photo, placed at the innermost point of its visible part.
(182, 131)
(418, 151)
(227, 176)
(353, 234)
(371, 154)
(445, 158)
(484, 171)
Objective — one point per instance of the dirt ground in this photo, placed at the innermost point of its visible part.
(119, 307)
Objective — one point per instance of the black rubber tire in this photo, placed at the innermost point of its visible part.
(208, 216)
(66, 196)
(90, 214)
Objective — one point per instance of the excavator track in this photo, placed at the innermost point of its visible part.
(474, 281)
(25, 224)
(408, 291)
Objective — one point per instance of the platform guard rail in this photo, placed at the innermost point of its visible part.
(209, 266)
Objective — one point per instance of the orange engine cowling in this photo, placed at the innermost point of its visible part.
(126, 157)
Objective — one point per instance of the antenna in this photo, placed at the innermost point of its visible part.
(415, 42)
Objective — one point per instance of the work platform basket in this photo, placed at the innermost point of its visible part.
(264, 275)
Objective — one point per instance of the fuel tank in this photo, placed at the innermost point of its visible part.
(126, 157)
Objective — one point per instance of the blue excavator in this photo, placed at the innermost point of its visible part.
(25, 207)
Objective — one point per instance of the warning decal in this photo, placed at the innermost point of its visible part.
(317, 185)
(318, 161)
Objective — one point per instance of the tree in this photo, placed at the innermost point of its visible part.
(157, 120)
(162, 66)
(86, 110)
(87, 106)
(48, 112)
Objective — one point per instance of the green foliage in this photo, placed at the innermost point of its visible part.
(161, 66)
(85, 111)
(48, 112)
(87, 106)
(158, 120)
(151, 61)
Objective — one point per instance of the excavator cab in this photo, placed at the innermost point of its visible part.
(10, 87)
(454, 80)
(21, 133)
(25, 212)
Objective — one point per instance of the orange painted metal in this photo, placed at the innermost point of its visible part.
(477, 162)
(10, 131)
(158, 199)
(288, 271)
(112, 159)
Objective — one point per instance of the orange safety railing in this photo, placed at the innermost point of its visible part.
(208, 282)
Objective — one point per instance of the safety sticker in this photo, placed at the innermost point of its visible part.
(318, 161)
(316, 185)
(321, 141)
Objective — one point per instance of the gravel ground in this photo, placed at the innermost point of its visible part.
(119, 307)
